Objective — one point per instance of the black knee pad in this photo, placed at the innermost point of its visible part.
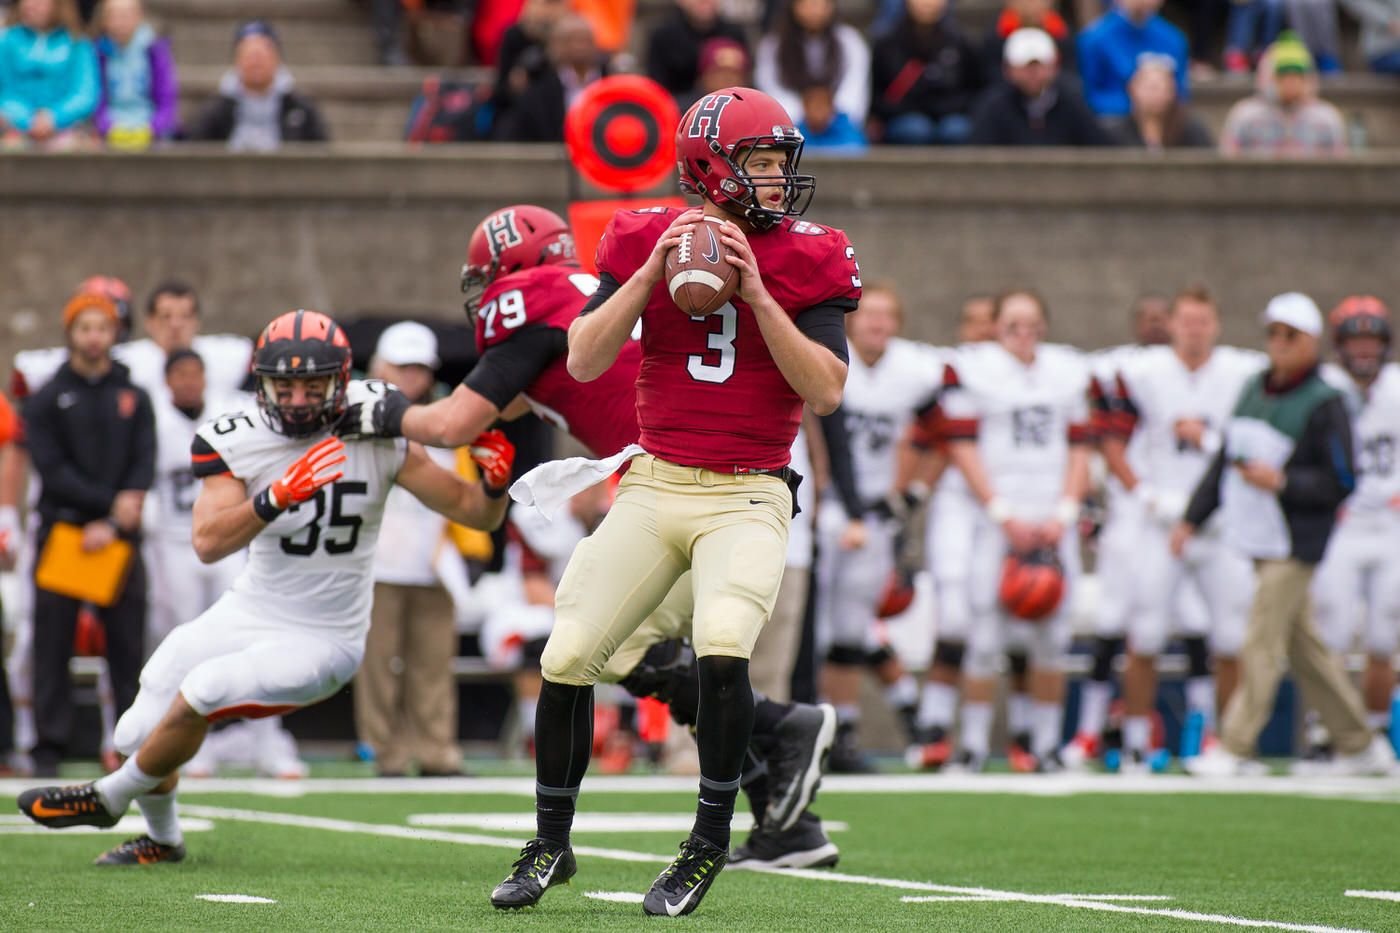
(949, 654)
(879, 656)
(1017, 663)
(846, 655)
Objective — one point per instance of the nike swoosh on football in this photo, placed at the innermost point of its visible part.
(712, 250)
(674, 910)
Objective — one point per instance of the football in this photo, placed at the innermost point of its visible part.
(697, 275)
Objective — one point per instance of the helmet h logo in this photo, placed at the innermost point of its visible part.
(705, 122)
(502, 232)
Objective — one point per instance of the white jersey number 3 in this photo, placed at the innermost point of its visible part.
(722, 342)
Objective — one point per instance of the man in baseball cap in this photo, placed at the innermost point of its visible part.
(1032, 107)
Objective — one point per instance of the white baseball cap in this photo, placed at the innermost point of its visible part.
(1029, 45)
(1296, 310)
(408, 343)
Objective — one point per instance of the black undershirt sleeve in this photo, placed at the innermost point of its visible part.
(826, 324)
(507, 369)
(606, 286)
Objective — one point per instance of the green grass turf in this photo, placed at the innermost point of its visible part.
(1277, 858)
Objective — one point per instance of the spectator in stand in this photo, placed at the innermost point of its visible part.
(1158, 120)
(824, 127)
(1251, 27)
(139, 91)
(1033, 107)
(1023, 14)
(723, 63)
(1380, 32)
(524, 56)
(258, 109)
(1315, 22)
(387, 16)
(1109, 51)
(1285, 117)
(675, 46)
(575, 62)
(925, 76)
(405, 693)
(48, 76)
(810, 49)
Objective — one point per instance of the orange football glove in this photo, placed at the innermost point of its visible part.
(494, 454)
(310, 472)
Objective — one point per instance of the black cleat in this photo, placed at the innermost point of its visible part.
(60, 807)
(805, 845)
(542, 865)
(846, 756)
(143, 850)
(804, 739)
(679, 889)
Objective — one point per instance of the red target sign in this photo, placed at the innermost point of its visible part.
(621, 133)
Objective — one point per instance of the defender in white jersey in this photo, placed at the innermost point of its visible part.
(1360, 570)
(1018, 423)
(887, 380)
(291, 630)
(1172, 403)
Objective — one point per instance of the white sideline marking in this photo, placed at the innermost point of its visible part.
(522, 822)
(1376, 895)
(20, 825)
(822, 875)
(940, 898)
(1035, 785)
(235, 899)
(616, 897)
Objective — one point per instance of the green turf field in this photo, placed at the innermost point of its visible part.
(917, 852)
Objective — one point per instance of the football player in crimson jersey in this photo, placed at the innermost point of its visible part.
(291, 630)
(524, 288)
(719, 401)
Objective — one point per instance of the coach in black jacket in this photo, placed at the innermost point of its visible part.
(91, 437)
(1033, 107)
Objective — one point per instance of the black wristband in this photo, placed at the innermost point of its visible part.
(493, 492)
(265, 508)
(393, 408)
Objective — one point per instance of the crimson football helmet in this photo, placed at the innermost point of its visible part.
(116, 291)
(1360, 316)
(302, 345)
(513, 238)
(714, 141)
(1032, 584)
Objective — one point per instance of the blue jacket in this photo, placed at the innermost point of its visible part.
(50, 71)
(1108, 54)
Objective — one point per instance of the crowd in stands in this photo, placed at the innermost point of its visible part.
(81, 74)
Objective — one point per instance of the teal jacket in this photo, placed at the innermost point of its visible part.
(50, 71)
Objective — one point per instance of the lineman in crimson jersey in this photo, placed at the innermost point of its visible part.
(524, 288)
(719, 402)
(291, 630)
(1360, 561)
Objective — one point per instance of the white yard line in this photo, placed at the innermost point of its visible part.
(1376, 895)
(616, 897)
(131, 824)
(235, 899)
(823, 876)
(1036, 785)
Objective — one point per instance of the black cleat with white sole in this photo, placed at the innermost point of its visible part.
(804, 845)
(542, 865)
(679, 889)
(804, 738)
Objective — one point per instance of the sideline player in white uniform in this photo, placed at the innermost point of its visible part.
(291, 631)
(1174, 402)
(1018, 422)
(887, 380)
(172, 323)
(1360, 565)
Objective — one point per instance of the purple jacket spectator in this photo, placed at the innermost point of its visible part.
(139, 88)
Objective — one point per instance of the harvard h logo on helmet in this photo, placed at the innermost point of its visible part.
(513, 238)
(715, 141)
(302, 345)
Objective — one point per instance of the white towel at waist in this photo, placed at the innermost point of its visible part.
(550, 485)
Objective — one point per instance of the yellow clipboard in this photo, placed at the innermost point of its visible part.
(96, 577)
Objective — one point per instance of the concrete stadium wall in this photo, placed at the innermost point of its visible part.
(353, 230)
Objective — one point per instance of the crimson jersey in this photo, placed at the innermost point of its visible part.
(709, 394)
(602, 414)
